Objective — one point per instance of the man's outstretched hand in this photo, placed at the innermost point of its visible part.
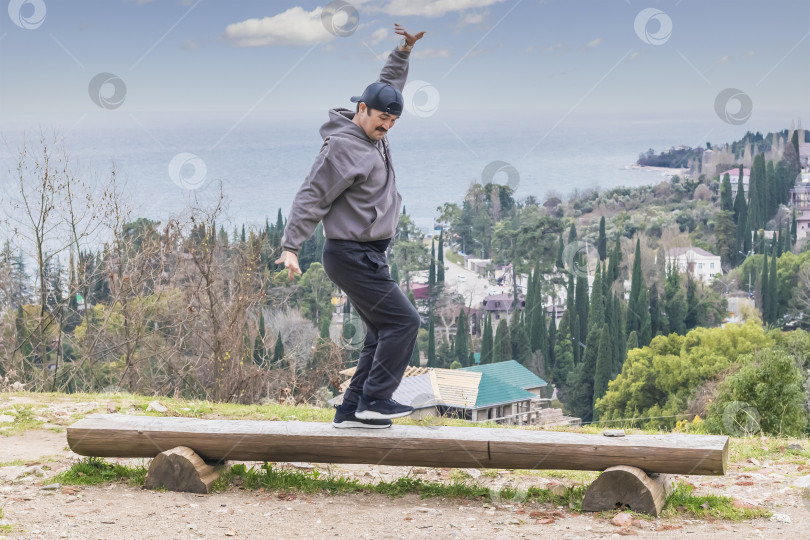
(410, 39)
(290, 261)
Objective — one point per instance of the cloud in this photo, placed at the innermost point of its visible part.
(189, 45)
(635, 56)
(722, 61)
(594, 43)
(434, 8)
(472, 17)
(420, 54)
(292, 27)
(378, 35)
(749, 54)
(551, 48)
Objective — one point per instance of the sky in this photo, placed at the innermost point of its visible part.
(515, 57)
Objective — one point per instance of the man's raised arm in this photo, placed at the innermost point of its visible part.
(395, 70)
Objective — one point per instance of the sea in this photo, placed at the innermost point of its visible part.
(166, 161)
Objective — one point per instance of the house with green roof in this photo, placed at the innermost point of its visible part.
(503, 392)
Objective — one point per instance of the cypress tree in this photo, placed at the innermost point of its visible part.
(691, 319)
(773, 189)
(581, 400)
(764, 290)
(757, 209)
(793, 229)
(726, 203)
(563, 356)
(432, 271)
(645, 328)
(431, 352)
(520, 343)
(596, 316)
(601, 244)
(632, 340)
(604, 364)
(278, 351)
(572, 234)
(636, 283)
(560, 248)
(502, 351)
(440, 267)
(773, 293)
(415, 361)
(655, 311)
(462, 348)
(582, 306)
(259, 351)
(487, 341)
(551, 343)
(743, 235)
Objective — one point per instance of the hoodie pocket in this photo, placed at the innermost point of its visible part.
(375, 260)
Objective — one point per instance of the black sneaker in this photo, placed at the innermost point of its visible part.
(349, 420)
(379, 409)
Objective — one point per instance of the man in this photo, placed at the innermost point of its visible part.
(352, 189)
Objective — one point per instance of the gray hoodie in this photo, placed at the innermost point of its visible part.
(350, 186)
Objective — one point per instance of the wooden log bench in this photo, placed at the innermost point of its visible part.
(189, 449)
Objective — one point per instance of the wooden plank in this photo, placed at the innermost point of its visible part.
(104, 435)
(181, 469)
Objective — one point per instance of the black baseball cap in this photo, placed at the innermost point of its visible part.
(383, 97)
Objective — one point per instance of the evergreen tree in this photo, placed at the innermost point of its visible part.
(487, 341)
(601, 243)
(773, 283)
(645, 326)
(440, 266)
(431, 352)
(572, 234)
(394, 272)
(462, 347)
(502, 351)
(793, 229)
(636, 283)
(726, 238)
(613, 263)
(242, 236)
(582, 306)
(764, 290)
(655, 311)
(415, 360)
(675, 306)
(432, 270)
(773, 189)
(259, 351)
(691, 319)
(604, 364)
(560, 249)
(520, 342)
(632, 340)
(596, 315)
(278, 352)
(551, 343)
(581, 381)
(743, 234)
(726, 203)
(756, 195)
(563, 356)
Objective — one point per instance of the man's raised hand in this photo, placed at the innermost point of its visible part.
(290, 261)
(410, 39)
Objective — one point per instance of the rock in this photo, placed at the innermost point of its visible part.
(6, 418)
(33, 470)
(474, 473)
(111, 407)
(558, 490)
(781, 518)
(156, 406)
(754, 461)
(745, 504)
(802, 481)
(622, 519)
(613, 433)
(795, 446)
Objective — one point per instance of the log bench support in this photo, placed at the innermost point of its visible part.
(628, 488)
(181, 469)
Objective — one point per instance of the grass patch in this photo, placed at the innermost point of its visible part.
(681, 501)
(278, 479)
(91, 471)
(24, 419)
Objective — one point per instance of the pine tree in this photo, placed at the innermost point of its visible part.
(503, 343)
(726, 203)
(487, 341)
(604, 365)
(601, 243)
(242, 236)
(259, 351)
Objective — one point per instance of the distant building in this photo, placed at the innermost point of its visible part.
(478, 266)
(735, 177)
(804, 154)
(503, 392)
(698, 262)
(800, 200)
(501, 304)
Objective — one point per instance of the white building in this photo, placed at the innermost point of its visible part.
(698, 262)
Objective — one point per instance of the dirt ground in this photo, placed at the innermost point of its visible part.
(121, 512)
